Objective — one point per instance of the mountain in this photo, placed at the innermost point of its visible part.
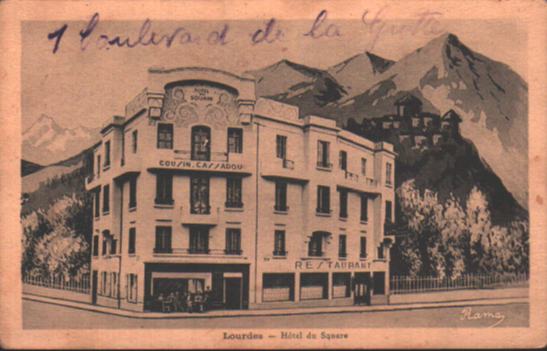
(488, 95)
(45, 142)
(356, 73)
(309, 88)
(445, 74)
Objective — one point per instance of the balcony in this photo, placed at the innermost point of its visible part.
(358, 182)
(283, 168)
(198, 252)
(324, 165)
(203, 216)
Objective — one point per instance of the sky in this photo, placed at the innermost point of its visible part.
(86, 87)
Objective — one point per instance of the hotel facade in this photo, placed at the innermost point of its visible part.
(200, 185)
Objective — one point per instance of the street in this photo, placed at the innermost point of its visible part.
(39, 315)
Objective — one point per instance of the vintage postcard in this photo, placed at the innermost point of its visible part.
(287, 174)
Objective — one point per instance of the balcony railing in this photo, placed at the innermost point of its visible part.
(212, 156)
(351, 176)
(324, 165)
(288, 164)
(199, 251)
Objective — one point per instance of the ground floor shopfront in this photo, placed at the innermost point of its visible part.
(227, 284)
(297, 289)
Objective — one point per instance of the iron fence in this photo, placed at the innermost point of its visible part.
(408, 284)
(80, 285)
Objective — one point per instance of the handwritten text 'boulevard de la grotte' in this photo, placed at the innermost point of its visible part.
(269, 32)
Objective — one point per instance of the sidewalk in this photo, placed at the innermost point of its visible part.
(493, 300)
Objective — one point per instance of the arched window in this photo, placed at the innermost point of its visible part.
(201, 143)
(315, 245)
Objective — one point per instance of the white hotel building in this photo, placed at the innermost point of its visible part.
(201, 185)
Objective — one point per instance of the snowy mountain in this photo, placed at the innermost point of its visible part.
(45, 142)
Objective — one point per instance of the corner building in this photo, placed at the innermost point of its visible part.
(201, 185)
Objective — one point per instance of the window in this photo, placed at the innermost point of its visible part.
(343, 160)
(233, 192)
(364, 208)
(235, 140)
(323, 159)
(315, 246)
(134, 141)
(233, 241)
(388, 211)
(281, 146)
(388, 174)
(133, 193)
(113, 244)
(106, 199)
(314, 286)
(199, 195)
(343, 203)
(342, 249)
(163, 240)
(201, 143)
(114, 284)
(165, 136)
(277, 287)
(105, 244)
(363, 247)
(164, 189)
(131, 288)
(95, 245)
(107, 154)
(97, 203)
(98, 166)
(132, 241)
(381, 251)
(323, 199)
(199, 239)
(279, 243)
(281, 196)
(103, 283)
(341, 285)
(364, 166)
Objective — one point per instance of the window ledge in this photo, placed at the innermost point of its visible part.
(281, 212)
(322, 214)
(315, 258)
(132, 209)
(97, 218)
(343, 219)
(324, 169)
(164, 206)
(390, 185)
(342, 258)
(274, 257)
(364, 222)
(131, 255)
(106, 213)
(234, 209)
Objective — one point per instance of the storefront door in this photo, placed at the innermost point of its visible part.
(233, 293)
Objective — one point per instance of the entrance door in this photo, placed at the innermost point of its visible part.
(233, 293)
(94, 288)
(361, 289)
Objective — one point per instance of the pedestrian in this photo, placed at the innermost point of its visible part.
(199, 301)
(189, 302)
(207, 298)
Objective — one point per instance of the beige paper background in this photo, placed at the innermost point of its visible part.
(531, 14)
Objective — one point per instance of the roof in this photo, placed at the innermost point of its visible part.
(451, 115)
(408, 99)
